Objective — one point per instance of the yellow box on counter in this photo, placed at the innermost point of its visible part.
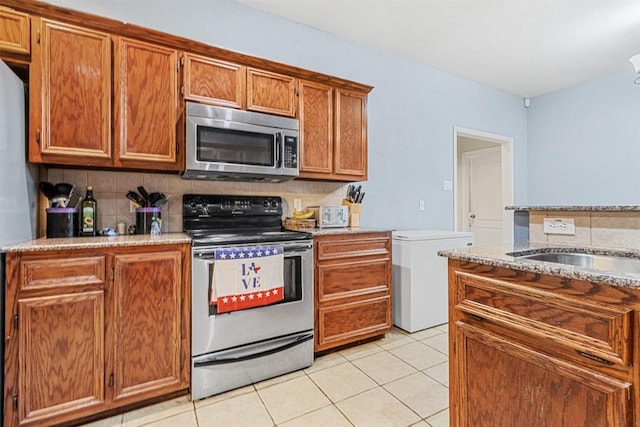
(354, 212)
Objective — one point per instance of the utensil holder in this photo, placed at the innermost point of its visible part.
(148, 220)
(354, 212)
(62, 222)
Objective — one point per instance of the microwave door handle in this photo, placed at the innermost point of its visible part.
(279, 137)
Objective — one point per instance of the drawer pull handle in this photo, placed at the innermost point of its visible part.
(476, 317)
(595, 358)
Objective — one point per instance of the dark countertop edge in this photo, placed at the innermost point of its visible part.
(623, 280)
(56, 244)
(611, 208)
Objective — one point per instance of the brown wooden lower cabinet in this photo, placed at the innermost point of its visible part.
(530, 349)
(94, 330)
(353, 287)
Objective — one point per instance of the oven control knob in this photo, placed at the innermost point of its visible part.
(265, 203)
(274, 204)
(193, 204)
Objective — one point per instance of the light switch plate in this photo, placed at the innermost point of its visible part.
(559, 226)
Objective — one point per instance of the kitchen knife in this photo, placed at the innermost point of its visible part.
(356, 193)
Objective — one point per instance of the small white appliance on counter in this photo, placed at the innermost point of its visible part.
(330, 216)
(420, 281)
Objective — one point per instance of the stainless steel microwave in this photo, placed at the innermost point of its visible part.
(234, 145)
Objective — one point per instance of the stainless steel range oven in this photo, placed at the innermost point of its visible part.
(236, 348)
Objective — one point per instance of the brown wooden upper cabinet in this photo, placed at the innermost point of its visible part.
(14, 31)
(147, 106)
(70, 95)
(70, 100)
(271, 93)
(104, 94)
(333, 133)
(216, 82)
(316, 129)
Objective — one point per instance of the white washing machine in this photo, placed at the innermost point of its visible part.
(420, 280)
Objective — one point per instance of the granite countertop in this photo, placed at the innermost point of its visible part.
(62, 243)
(503, 256)
(612, 208)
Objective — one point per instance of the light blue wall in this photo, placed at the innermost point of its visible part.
(412, 110)
(584, 144)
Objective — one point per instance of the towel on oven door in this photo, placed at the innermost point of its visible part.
(247, 277)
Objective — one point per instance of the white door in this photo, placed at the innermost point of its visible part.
(482, 195)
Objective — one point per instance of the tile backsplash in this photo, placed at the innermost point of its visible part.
(611, 229)
(110, 188)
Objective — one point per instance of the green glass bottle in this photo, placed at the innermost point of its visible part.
(89, 212)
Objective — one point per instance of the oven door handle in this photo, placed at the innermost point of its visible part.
(288, 249)
(221, 359)
(296, 248)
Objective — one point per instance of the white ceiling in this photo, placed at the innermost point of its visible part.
(524, 47)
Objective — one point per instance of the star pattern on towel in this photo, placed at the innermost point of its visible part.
(247, 252)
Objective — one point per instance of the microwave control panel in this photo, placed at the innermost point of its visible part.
(291, 152)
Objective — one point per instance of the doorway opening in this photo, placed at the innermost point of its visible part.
(483, 185)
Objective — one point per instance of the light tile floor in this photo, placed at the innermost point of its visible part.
(400, 380)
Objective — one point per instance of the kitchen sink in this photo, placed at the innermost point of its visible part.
(617, 264)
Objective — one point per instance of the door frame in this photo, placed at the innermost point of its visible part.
(506, 161)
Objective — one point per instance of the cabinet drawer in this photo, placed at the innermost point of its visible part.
(558, 322)
(351, 246)
(14, 31)
(68, 272)
(347, 323)
(352, 279)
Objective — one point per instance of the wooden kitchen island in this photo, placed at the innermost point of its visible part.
(539, 343)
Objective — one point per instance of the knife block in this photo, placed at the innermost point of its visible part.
(354, 212)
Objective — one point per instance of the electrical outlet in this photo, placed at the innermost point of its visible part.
(297, 205)
(421, 205)
(132, 207)
(447, 185)
(559, 226)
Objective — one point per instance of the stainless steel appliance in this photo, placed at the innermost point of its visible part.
(227, 144)
(230, 350)
(17, 178)
(330, 216)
